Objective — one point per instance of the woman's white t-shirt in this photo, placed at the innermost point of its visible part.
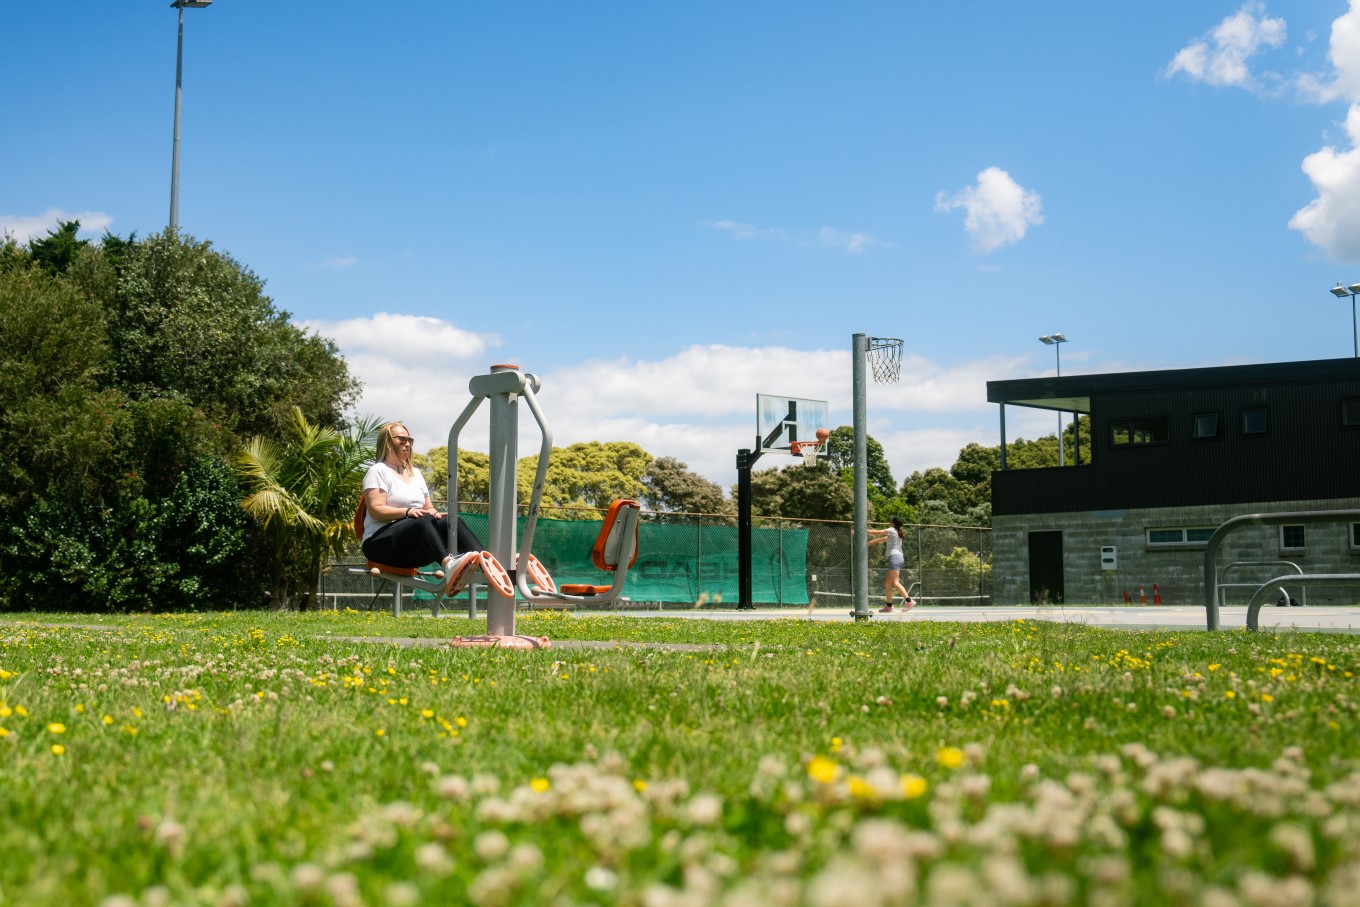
(403, 493)
(894, 543)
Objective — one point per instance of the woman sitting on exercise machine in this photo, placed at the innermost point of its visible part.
(401, 526)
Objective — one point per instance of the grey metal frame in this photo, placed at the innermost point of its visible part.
(1211, 584)
(503, 387)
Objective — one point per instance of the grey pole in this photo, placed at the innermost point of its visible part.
(861, 547)
(502, 519)
(179, 75)
(174, 157)
(1057, 348)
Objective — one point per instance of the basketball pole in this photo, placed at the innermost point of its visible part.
(858, 345)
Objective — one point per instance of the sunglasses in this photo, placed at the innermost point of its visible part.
(403, 439)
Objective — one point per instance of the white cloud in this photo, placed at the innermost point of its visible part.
(853, 243)
(1000, 210)
(26, 227)
(697, 405)
(1332, 220)
(1220, 57)
(1343, 83)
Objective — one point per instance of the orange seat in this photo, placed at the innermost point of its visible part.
(359, 513)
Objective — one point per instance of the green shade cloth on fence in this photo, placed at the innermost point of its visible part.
(677, 562)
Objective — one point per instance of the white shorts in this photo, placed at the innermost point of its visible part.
(895, 561)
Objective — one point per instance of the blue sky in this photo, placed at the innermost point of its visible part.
(665, 209)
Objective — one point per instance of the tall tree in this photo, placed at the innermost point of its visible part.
(188, 321)
(671, 486)
(840, 448)
(302, 493)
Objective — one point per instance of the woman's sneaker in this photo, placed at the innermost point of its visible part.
(886, 609)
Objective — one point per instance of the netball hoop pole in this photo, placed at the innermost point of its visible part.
(885, 354)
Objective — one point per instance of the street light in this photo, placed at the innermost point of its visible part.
(1341, 292)
(179, 71)
(1056, 341)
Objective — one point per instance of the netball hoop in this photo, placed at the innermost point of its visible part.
(885, 358)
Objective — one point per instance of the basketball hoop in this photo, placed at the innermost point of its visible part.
(885, 358)
(810, 450)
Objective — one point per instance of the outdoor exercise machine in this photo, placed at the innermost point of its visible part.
(615, 549)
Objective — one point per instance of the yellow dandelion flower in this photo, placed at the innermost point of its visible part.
(861, 789)
(5, 711)
(380, 732)
(836, 744)
(58, 749)
(427, 713)
(639, 785)
(823, 770)
(56, 727)
(1266, 697)
(913, 786)
(137, 713)
(1231, 694)
(21, 711)
(539, 785)
(4, 732)
(129, 730)
(460, 721)
(80, 708)
(950, 757)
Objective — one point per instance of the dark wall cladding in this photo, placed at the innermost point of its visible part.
(1304, 454)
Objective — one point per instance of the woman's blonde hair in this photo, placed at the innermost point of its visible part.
(385, 443)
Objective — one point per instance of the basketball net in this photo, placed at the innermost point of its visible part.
(808, 450)
(885, 358)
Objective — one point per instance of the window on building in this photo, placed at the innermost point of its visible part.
(1189, 536)
(1206, 426)
(1350, 412)
(1153, 430)
(1292, 538)
(1355, 536)
(1254, 421)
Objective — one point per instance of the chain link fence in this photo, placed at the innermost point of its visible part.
(690, 559)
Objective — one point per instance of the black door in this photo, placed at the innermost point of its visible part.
(1045, 567)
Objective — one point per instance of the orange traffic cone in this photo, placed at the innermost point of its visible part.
(1156, 595)
(1142, 596)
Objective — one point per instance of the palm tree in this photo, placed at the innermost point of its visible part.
(302, 494)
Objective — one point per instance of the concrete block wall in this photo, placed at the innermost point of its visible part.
(1177, 572)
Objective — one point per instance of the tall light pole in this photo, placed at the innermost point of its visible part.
(179, 72)
(1056, 341)
(1341, 292)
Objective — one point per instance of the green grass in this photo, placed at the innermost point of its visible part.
(257, 758)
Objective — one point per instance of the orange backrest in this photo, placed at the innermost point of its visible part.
(359, 513)
(605, 552)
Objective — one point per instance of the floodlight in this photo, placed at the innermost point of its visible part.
(1339, 291)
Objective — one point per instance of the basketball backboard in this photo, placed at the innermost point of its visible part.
(780, 421)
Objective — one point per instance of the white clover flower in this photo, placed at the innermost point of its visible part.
(798, 824)
(402, 894)
(942, 701)
(433, 858)
(401, 814)
(343, 889)
(526, 859)
(491, 845)
(950, 883)
(484, 784)
(454, 787)
(598, 878)
(1296, 844)
(705, 809)
(307, 877)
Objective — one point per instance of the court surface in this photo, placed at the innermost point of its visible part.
(1136, 617)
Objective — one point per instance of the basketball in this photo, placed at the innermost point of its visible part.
(823, 434)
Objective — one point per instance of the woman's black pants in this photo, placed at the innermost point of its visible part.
(416, 542)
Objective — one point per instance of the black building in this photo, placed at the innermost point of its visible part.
(1172, 455)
